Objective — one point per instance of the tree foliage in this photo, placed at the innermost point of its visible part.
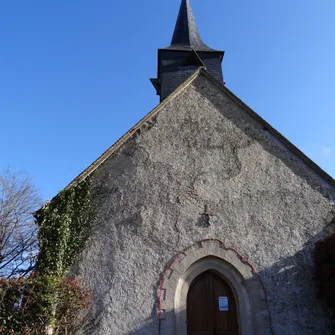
(19, 199)
(45, 239)
(25, 305)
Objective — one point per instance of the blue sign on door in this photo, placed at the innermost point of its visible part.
(223, 304)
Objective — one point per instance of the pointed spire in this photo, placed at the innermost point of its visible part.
(185, 55)
(186, 34)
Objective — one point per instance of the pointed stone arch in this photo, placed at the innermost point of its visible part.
(237, 271)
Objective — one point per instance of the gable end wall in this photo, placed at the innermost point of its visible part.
(203, 155)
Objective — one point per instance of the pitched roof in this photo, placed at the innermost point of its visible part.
(147, 119)
(186, 34)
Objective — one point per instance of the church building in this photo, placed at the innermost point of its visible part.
(207, 215)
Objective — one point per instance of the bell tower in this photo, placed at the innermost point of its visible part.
(186, 53)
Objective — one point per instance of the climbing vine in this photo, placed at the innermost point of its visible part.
(64, 226)
(49, 301)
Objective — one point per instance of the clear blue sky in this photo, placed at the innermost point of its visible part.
(74, 75)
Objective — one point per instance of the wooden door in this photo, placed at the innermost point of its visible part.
(206, 310)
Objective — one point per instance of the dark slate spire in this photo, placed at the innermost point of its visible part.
(185, 55)
(186, 34)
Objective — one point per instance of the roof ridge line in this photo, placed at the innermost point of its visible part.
(188, 19)
(287, 143)
(201, 70)
(107, 153)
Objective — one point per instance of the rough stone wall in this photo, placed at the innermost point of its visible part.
(203, 152)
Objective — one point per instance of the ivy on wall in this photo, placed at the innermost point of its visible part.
(49, 301)
(64, 226)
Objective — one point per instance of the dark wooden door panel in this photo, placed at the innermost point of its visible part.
(198, 306)
(225, 322)
(203, 313)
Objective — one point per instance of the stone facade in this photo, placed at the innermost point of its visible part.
(204, 168)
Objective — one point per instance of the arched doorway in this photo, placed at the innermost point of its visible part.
(212, 255)
(211, 306)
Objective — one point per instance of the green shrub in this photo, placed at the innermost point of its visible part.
(29, 305)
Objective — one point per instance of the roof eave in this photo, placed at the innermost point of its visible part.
(108, 153)
(273, 131)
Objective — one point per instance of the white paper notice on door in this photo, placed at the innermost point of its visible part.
(223, 304)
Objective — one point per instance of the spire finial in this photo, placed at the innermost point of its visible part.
(186, 34)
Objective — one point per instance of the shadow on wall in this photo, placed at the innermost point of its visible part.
(151, 327)
(291, 294)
